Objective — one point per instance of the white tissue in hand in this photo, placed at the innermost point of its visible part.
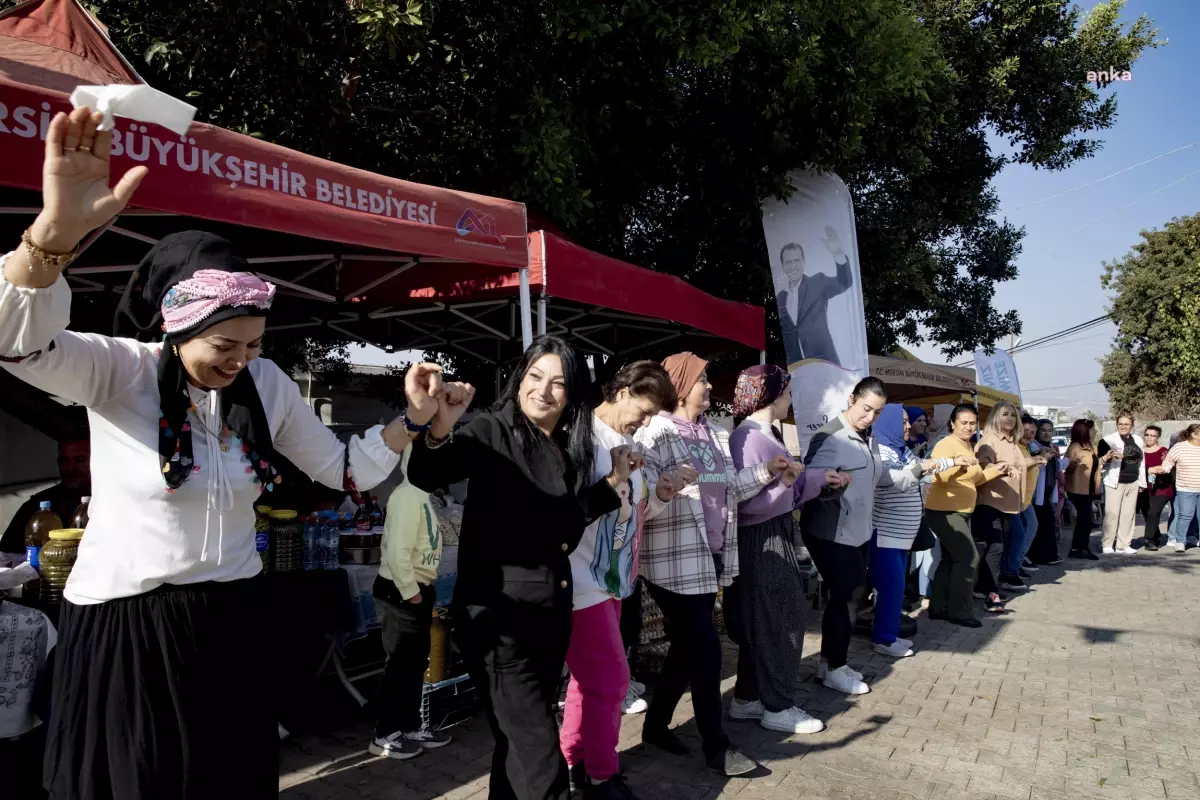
(140, 102)
(21, 574)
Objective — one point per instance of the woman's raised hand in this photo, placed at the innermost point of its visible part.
(76, 198)
(453, 401)
(422, 386)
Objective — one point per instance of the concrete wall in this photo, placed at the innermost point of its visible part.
(1169, 427)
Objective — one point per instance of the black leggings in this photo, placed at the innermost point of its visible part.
(841, 567)
(1152, 507)
(1083, 521)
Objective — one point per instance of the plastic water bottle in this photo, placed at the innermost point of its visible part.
(332, 540)
(312, 533)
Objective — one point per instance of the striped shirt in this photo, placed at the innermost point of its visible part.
(898, 508)
(1184, 458)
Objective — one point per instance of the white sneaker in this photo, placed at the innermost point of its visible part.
(1179, 547)
(792, 720)
(1127, 551)
(845, 680)
(896, 649)
(905, 642)
(1108, 551)
(823, 670)
(746, 709)
(633, 704)
(637, 687)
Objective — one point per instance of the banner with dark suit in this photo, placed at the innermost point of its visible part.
(814, 261)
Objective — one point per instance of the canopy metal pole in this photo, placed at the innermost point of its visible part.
(542, 315)
(526, 310)
(762, 356)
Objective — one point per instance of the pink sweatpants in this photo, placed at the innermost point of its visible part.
(599, 682)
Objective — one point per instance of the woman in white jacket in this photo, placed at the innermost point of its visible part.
(163, 639)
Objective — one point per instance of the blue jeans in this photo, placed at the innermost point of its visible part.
(1187, 506)
(1020, 536)
(888, 569)
(926, 564)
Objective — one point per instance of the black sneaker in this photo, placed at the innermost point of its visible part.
(1086, 555)
(1054, 562)
(1012, 582)
(1029, 566)
(731, 763)
(577, 776)
(1151, 546)
(615, 788)
(394, 746)
(428, 739)
(665, 740)
(1025, 574)
(908, 627)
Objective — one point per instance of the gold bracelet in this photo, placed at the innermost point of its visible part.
(45, 258)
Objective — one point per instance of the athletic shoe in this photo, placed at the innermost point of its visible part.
(1151, 546)
(632, 704)
(1029, 565)
(638, 687)
(845, 680)
(1086, 555)
(792, 720)
(1025, 574)
(1012, 582)
(895, 649)
(1054, 562)
(731, 763)
(428, 739)
(823, 670)
(1127, 551)
(746, 709)
(994, 604)
(394, 746)
(615, 788)
(1179, 549)
(905, 642)
(1108, 551)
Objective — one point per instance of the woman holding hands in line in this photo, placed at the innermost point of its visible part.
(161, 629)
(689, 550)
(531, 461)
(765, 608)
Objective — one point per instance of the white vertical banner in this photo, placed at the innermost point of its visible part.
(997, 371)
(813, 251)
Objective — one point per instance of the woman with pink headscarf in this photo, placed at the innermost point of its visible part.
(765, 608)
(163, 631)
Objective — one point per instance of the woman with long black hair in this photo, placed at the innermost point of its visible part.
(529, 461)
(164, 629)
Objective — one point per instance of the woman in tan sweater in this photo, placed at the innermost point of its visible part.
(948, 509)
(1082, 483)
(1001, 499)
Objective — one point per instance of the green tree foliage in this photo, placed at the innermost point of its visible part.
(653, 131)
(1154, 366)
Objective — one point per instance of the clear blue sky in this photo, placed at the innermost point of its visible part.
(1059, 281)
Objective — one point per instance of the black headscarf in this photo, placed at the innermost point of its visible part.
(173, 259)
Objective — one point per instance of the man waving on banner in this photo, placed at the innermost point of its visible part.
(804, 305)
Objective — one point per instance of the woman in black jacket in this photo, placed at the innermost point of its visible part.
(528, 460)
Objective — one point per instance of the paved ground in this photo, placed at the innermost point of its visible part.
(1090, 688)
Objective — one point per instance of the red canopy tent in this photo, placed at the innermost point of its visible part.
(357, 255)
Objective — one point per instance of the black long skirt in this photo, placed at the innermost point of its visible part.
(165, 695)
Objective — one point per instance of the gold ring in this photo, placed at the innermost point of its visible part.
(85, 148)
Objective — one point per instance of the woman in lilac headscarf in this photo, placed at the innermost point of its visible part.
(765, 607)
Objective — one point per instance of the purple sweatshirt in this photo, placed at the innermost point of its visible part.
(753, 443)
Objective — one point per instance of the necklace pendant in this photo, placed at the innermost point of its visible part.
(224, 447)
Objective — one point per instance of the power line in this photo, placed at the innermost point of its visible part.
(1080, 328)
(1052, 388)
(1067, 341)
(1106, 177)
(1127, 205)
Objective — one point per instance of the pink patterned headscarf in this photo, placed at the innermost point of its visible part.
(194, 300)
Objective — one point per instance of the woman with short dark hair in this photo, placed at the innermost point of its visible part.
(531, 463)
(1160, 488)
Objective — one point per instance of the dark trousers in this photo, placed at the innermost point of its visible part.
(406, 642)
(950, 589)
(694, 659)
(1152, 507)
(1045, 544)
(1083, 521)
(631, 618)
(841, 567)
(515, 652)
(988, 527)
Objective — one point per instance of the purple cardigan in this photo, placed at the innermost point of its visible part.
(753, 443)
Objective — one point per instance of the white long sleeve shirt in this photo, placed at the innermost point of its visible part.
(139, 536)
